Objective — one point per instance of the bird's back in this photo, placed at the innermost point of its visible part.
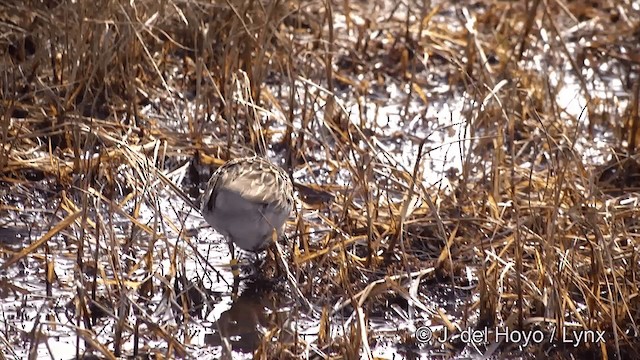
(246, 199)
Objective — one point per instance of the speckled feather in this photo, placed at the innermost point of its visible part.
(246, 199)
(256, 179)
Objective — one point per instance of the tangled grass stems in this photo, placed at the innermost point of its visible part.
(106, 106)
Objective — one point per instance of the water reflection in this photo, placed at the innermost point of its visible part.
(252, 314)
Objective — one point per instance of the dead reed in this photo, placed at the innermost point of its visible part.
(105, 103)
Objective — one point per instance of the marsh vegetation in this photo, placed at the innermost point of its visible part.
(458, 165)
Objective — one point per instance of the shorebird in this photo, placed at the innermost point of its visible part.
(248, 200)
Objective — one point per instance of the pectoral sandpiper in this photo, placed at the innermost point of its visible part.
(246, 200)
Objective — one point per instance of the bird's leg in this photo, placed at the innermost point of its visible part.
(234, 270)
(256, 261)
(234, 262)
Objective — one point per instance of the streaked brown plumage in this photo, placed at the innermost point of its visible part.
(246, 199)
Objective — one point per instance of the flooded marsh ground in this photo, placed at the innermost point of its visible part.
(466, 178)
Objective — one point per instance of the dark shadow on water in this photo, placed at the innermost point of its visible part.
(254, 312)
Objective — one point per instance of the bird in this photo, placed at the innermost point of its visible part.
(248, 200)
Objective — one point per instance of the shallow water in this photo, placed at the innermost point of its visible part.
(133, 270)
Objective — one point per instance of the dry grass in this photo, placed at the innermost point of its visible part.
(103, 101)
